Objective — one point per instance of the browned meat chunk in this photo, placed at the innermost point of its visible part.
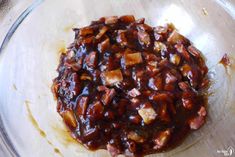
(175, 38)
(82, 106)
(134, 92)
(111, 20)
(147, 113)
(144, 38)
(112, 77)
(108, 96)
(132, 59)
(91, 59)
(69, 119)
(162, 139)
(85, 31)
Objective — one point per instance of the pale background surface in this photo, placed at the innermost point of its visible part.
(47, 29)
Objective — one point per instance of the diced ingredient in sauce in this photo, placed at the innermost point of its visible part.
(131, 88)
(225, 60)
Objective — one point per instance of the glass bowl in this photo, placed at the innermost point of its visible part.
(29, 55)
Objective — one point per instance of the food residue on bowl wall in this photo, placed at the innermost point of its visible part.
(37, 127)
(33, 120)
(225, 60)
(14, 87)
(69, 27)
(204, 11)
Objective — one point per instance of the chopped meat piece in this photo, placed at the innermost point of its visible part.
(75, 65)
(85, 76)
(196, 122)
(72, 88)
(112, 77)
(104, 45)
(170, 78)
(225, 60)
(152, 68)
(159, 97)
(136, 119)
(95, 110)
(194, 51)
(175, 38)
(54, 88)
(187, 99)
(85, 31)
(181, 49)
(86, 41)
(160, 30)
(184, 86)
(164, 63)
(162, 139)
(82, 105)
(102, 31)
(131, 146)
(202, 111)
(175, 59)
(109, 115)
(111, 20)
(191, 73)
(158, 37)
(134, 92)
(69, 119)
(159, 46)
(132, 59)
(135, 100)
(185, 69)
(102, 88)
(108, 96)
(121, 38)
(90, 134)
(91, 59)
(70, 54)
(144, 38)
(135, 137)
(127, 19)
(156, 83)
(144, 27)
(147, 113)
(163, 113)
(141, 20)
(170, 27)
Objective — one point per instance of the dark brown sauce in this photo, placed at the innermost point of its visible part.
(131, 88)
(64, 136)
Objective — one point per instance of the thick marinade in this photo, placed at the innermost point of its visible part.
(131, 88)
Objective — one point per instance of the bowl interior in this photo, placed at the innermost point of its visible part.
(29, 61)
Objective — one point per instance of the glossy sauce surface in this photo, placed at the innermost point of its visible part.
(131, 88)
